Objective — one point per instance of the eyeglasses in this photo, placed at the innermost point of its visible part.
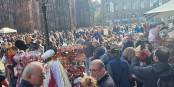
(42, 75)
(94, 70)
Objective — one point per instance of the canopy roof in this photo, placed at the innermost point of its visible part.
(7, 30)
(164, 10)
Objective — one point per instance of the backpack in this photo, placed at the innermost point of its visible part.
(166, 83)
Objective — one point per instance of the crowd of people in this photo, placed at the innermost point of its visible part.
(120, 56)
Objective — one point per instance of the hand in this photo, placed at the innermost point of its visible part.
(138, 51)
(146, 50)
(7, 65)
(90, 57)
(133, 76)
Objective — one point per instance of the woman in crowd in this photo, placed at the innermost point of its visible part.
(127, 55)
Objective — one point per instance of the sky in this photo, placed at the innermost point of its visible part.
(97, 0)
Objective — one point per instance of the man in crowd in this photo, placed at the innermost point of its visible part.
(98, 51)
(88, 51)
(128, 43)
(141, 40)
(118, 69)
(79, 40)
(160, 69)
(33, 75)
(108, 55)
(98, 72)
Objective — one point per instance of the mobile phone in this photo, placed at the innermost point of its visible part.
(143, 44)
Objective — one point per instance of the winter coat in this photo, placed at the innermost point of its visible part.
(119, 71)
(89, 48)
(150, 74)
(98, 52)
(25, 84)
(105, 81)
(105, 59)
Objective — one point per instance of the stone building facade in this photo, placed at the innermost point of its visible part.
(22, 15)
(127, 11)
(26, 15)
(66, 14)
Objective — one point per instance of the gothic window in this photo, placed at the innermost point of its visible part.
(124, 6)
(111, 7)
(155, 3)
(142, 4)
(116, 7)
(151, 3)
(108, 8)
(160, 2)
(133, 5)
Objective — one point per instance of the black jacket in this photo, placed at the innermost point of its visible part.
(89, 48)
(140, 42)
(128, 44)
(98, 52)
(25, 84)
(150, 74)
(106, 81)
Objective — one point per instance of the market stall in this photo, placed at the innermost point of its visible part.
(165, 10)
(71, 57)
(7, 30)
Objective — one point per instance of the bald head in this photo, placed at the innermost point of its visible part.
(34, 74)
(31, 68)
(97, 63)
(96, 69)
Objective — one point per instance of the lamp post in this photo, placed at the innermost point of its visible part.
(44, 9)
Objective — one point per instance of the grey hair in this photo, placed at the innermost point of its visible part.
(115, 46)
(30, 68)
(96, 42)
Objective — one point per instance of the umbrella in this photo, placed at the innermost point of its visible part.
(165, 10)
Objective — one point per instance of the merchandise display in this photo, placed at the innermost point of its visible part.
(69, 57)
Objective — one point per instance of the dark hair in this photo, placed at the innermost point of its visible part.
(6, 50)
(162, 53)
(14, 48)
